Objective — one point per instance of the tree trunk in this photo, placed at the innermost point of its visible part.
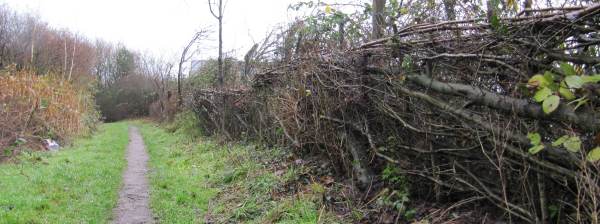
(220, 76)
(342, 34)
(185, 57)
(72, 59)
(220, 59)
(378, 18)
(359, 157)
(449, 8)
(179, 74)
(220, 62)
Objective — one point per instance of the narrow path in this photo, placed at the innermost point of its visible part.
(133, 206)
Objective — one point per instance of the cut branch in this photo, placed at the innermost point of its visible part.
(521, 107)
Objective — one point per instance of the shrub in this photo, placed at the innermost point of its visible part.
(186, 123)
(35, 107)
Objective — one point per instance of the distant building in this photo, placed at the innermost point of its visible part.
(196, 66)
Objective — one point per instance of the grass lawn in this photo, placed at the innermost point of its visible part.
(179, 176)
(79, 184)
(193, 180)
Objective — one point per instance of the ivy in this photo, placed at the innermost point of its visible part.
(574, 82)
(566, 93)
(567, 69)
(560, 141)
(535, 149)
(542, 94)
(591, 78)
(570, 143)
(538, 81)
(573, 144)
(536, 140)
(407, 62)
(549, 93)
(550, 104)
(594, 155)
(326, 20)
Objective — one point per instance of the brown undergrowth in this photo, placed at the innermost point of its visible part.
(34, 108)
(437, 119)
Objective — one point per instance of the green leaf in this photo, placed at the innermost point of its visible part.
(574, 82)
(563, 84)
(404, 11)
(553, 86)
(573, 144)
(590, 78)
(560, 141)
(535, 149)
(542, 94)
(549, 76)
(495, 22)
(567, 69)
(566, 93)
(537, 81)
(407, 62)
(550, 104)
(534, 138)
(594, 155)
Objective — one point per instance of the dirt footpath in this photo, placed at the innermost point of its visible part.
(133, 205)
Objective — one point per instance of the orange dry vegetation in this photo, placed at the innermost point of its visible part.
(34, 107)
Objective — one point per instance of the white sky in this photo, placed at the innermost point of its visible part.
(161, 27)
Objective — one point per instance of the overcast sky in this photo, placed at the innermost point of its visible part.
(161, 27)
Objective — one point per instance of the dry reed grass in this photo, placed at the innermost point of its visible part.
(34, 107)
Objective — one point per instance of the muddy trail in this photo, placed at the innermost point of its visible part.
(133, 205)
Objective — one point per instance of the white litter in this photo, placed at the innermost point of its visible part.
(52, 145)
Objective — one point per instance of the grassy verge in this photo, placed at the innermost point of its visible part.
(79, 184)
(180, 170)
(196, 181)
(258, 186)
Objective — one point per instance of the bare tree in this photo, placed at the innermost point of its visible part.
(378, 18)
(449, 8)
(33, 33)
(65, 55)
(158, 70)
(72, 58)
(248, 58)
(186, 55)
(219, 16)
(527, 7)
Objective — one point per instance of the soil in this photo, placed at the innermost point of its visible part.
(133, 206)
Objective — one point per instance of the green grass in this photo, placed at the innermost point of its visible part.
(253, 186)
(79, 184)
(191, 180)
(194, 179)
(254, 197)
(179, 176)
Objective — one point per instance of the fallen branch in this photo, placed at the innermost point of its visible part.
(563, 113)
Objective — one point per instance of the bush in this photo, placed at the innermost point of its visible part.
(35, 107)
(130, 97)
(186, 123)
